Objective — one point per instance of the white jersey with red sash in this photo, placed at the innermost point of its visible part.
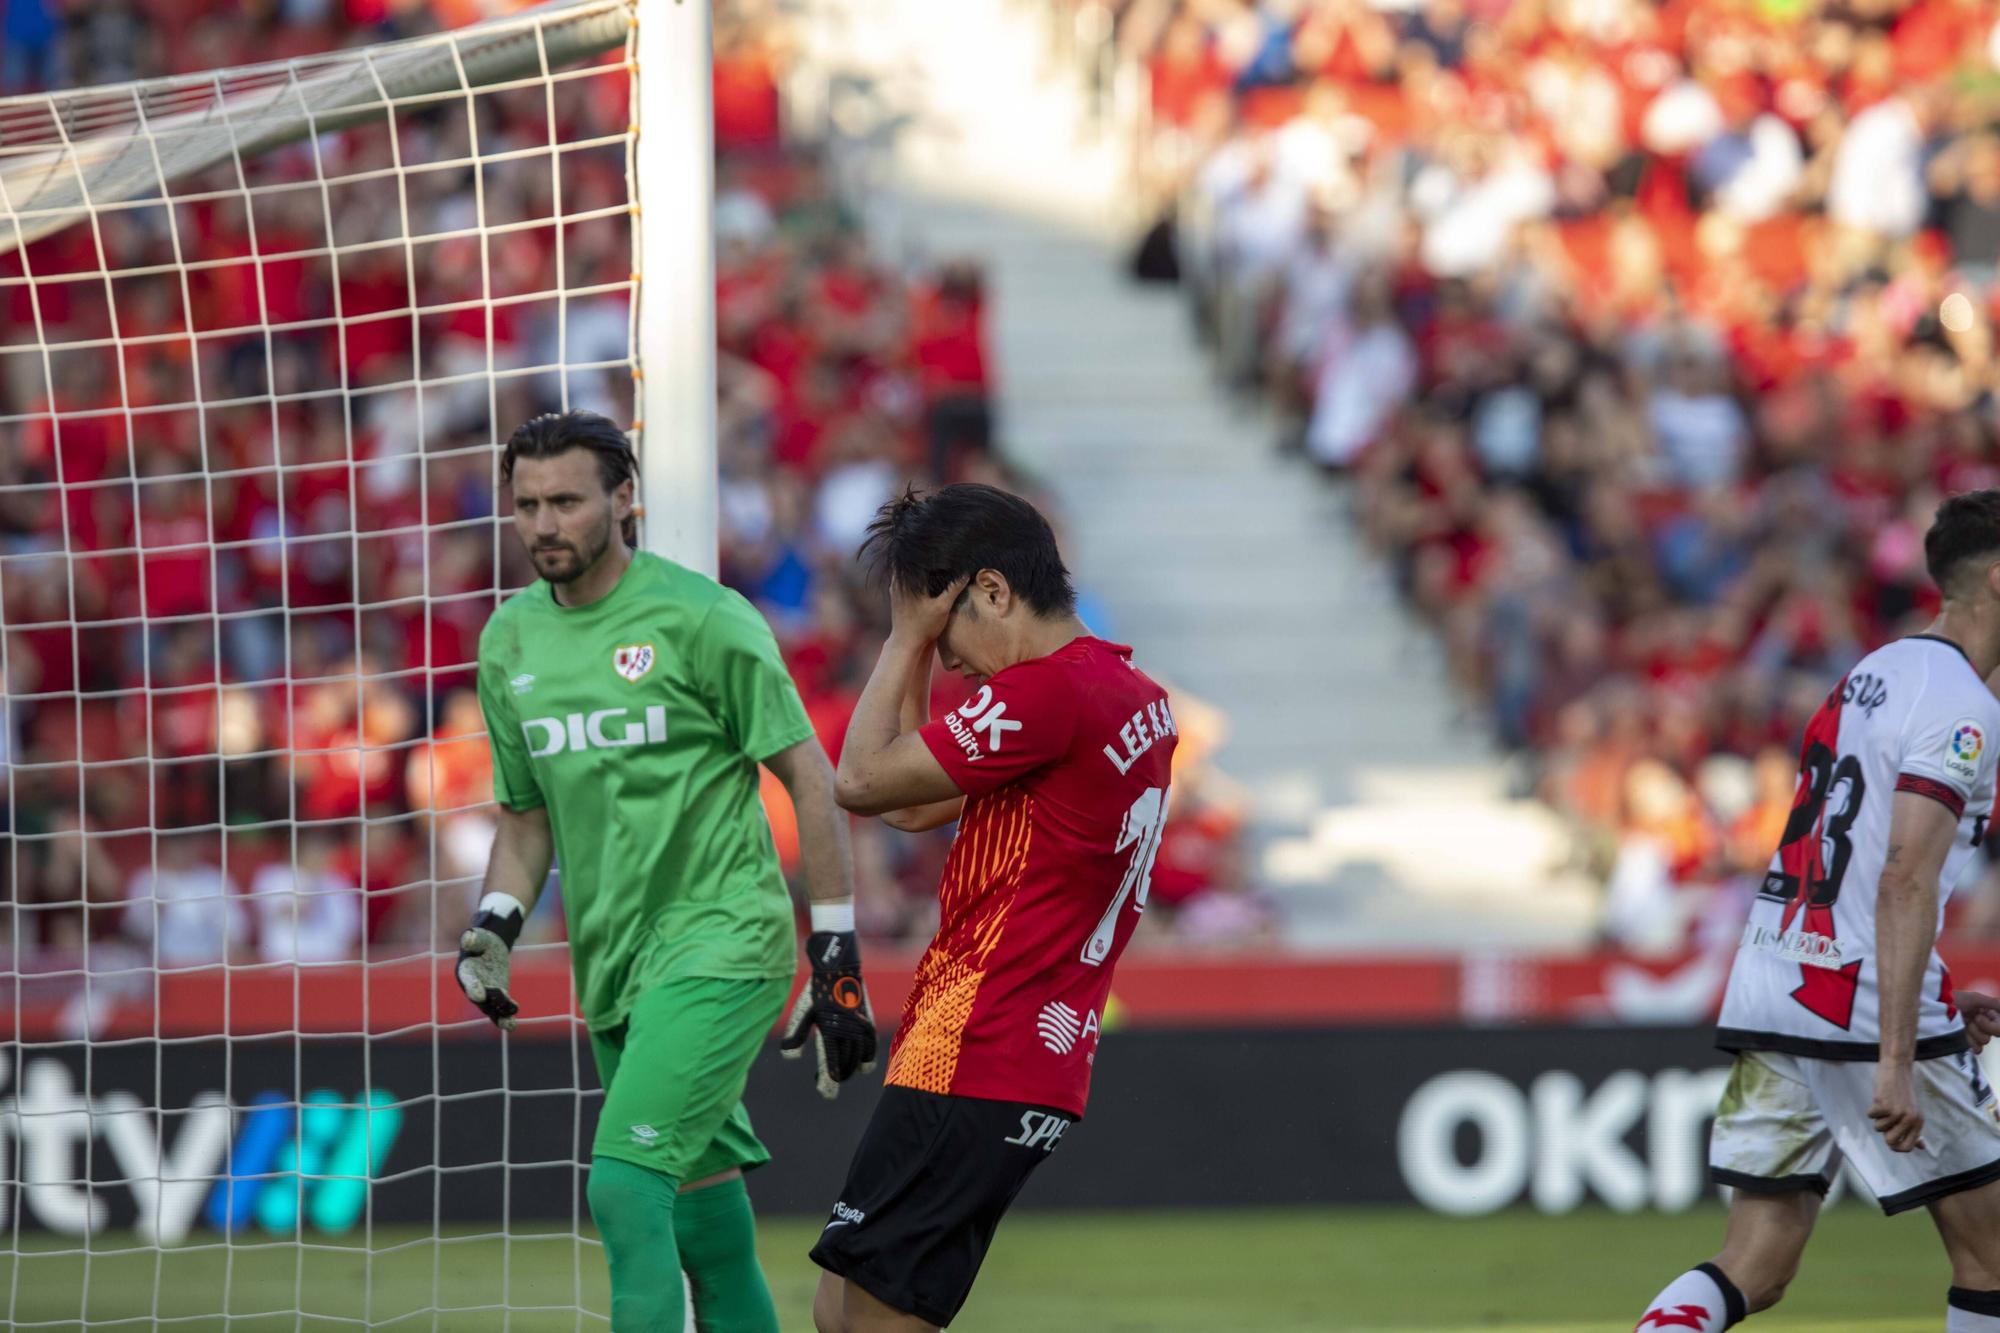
(1912, 716)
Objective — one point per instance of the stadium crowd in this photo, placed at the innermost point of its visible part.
(1647, 337)
(238, 663)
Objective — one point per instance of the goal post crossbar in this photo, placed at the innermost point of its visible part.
(63, 154)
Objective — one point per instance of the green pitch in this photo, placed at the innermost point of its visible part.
(1211, 1272)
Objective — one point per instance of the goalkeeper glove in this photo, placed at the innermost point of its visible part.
(833, 1007)
(483, 953)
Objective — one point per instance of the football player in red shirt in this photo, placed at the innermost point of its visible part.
(1056, 771)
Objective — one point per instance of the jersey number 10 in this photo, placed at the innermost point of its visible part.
(1141, 832)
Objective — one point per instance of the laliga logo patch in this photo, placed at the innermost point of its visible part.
(1962, 751)
(633, 660)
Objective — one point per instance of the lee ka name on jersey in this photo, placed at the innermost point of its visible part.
(1147, 725)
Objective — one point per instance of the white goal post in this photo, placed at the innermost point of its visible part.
(261, 331)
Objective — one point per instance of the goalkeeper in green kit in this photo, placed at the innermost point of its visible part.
(628, 703)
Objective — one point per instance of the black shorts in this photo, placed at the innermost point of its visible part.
(926, 1190)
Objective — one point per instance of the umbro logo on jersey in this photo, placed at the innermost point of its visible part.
(1063, 1027)
(523, 682)
(633, 660)
(599, 730)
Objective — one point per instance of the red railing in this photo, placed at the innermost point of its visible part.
(410, 997)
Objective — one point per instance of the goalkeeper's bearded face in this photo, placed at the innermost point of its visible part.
(566, 519)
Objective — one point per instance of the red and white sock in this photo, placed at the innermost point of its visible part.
(1969, 1311)
(1702, 1299)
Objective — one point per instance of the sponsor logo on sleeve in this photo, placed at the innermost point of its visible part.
(989, 717)
(632, 660)
(1962, 749)
(977, 715)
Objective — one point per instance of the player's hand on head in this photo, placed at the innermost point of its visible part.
(918, 616)
(1981, 1013)
(832, 1010)
(485, 953)
(1894, 1108)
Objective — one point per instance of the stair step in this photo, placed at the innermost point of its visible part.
(1235, 572)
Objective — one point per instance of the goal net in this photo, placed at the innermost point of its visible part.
(260, 330)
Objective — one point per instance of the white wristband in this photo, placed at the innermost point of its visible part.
(502, 904)
(837, 917)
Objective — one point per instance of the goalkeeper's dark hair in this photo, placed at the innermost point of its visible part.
(555, 433)
(928, 541)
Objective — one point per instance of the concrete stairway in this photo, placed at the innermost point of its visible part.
(1234, 573)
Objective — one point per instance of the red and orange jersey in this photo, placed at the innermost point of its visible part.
(1064, 761)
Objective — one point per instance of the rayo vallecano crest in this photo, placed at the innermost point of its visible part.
(633, 660)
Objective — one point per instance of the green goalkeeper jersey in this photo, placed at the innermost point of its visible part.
(639, 721)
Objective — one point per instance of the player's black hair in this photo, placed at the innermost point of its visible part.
(929, 541)
(1966, 527)
(555, 433)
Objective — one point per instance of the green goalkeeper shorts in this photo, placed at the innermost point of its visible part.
(673, 1076)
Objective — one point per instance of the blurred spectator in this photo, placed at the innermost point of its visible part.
(1667, 842)
(70, 886)
(306, 910)
(29, 35)
(184, 905)
(1878, 170)
(1367, 368)
(450, 777)
(1200, 886)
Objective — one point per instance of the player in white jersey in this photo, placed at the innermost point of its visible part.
(1850, 1044)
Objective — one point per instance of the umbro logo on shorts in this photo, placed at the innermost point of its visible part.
(644, 1134)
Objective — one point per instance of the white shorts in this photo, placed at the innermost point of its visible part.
(1786, 1122)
